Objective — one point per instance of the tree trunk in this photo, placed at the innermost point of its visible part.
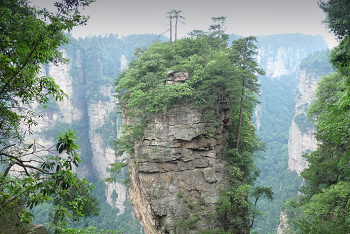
(240, 116)
(171, 28)
(175, 28)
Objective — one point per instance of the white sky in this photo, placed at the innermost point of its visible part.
(244, 17)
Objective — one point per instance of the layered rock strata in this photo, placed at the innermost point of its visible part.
(177, 169)
(177, 172)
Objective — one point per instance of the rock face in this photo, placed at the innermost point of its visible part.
(302, 140)
(281, 55)
(301, 133)
(86, 117)
(11, 224)
(282, 63)
(177, 172)
(283, 226)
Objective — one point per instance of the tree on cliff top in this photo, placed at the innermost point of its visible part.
(215, 73)
(30, 37)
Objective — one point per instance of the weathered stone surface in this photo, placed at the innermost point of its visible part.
(93, 113)
(10, 224)
(37, 229)
(283, 226)
(300, 142)
(178, 172)
(175, 78)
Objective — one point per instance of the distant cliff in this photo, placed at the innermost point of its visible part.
(90, 110)
(301, 133)
(280, 56)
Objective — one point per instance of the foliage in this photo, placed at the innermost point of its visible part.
(317, 63)
(103, 53)
(49, 180)
(89, 230)
(243, 56)
(303, 122)
(258, 193)
(327, 211)
(337, 21)
(277, 106)
(274, 115)
(337, 16)
(325, 194)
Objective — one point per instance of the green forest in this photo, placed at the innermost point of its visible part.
(38, 183)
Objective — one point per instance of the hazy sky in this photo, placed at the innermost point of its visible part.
(244, 17)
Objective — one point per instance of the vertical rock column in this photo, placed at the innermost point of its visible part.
(177, 171)
(300, 141)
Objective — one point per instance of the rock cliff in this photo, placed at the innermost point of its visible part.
(177, 173)
(281, 56)
(301, 138)
(90, 111)
(85, 117)
(301, 133)
(10, 223)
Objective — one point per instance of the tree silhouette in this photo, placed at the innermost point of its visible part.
(177, 17)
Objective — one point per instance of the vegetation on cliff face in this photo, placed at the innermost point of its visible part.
(217, 74)
(324, 204)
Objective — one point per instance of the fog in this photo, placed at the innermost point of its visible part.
(248, 17)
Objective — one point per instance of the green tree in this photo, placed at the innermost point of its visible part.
(338, 21)
(33, 174)
(325, 194)
(337, 16)
(218, 28)
(178, 17)
(258, 193)
(244, 53)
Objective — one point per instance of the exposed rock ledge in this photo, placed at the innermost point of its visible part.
(10, 224)
(177, 172)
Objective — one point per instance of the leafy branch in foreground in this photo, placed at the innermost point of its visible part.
(44, 175)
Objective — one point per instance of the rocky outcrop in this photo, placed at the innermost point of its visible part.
(281, 63)
(102, 154)
(283, 226)
(177, 171)
(301, 133)
(301, 137)
(10, 223)
(86, 117)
